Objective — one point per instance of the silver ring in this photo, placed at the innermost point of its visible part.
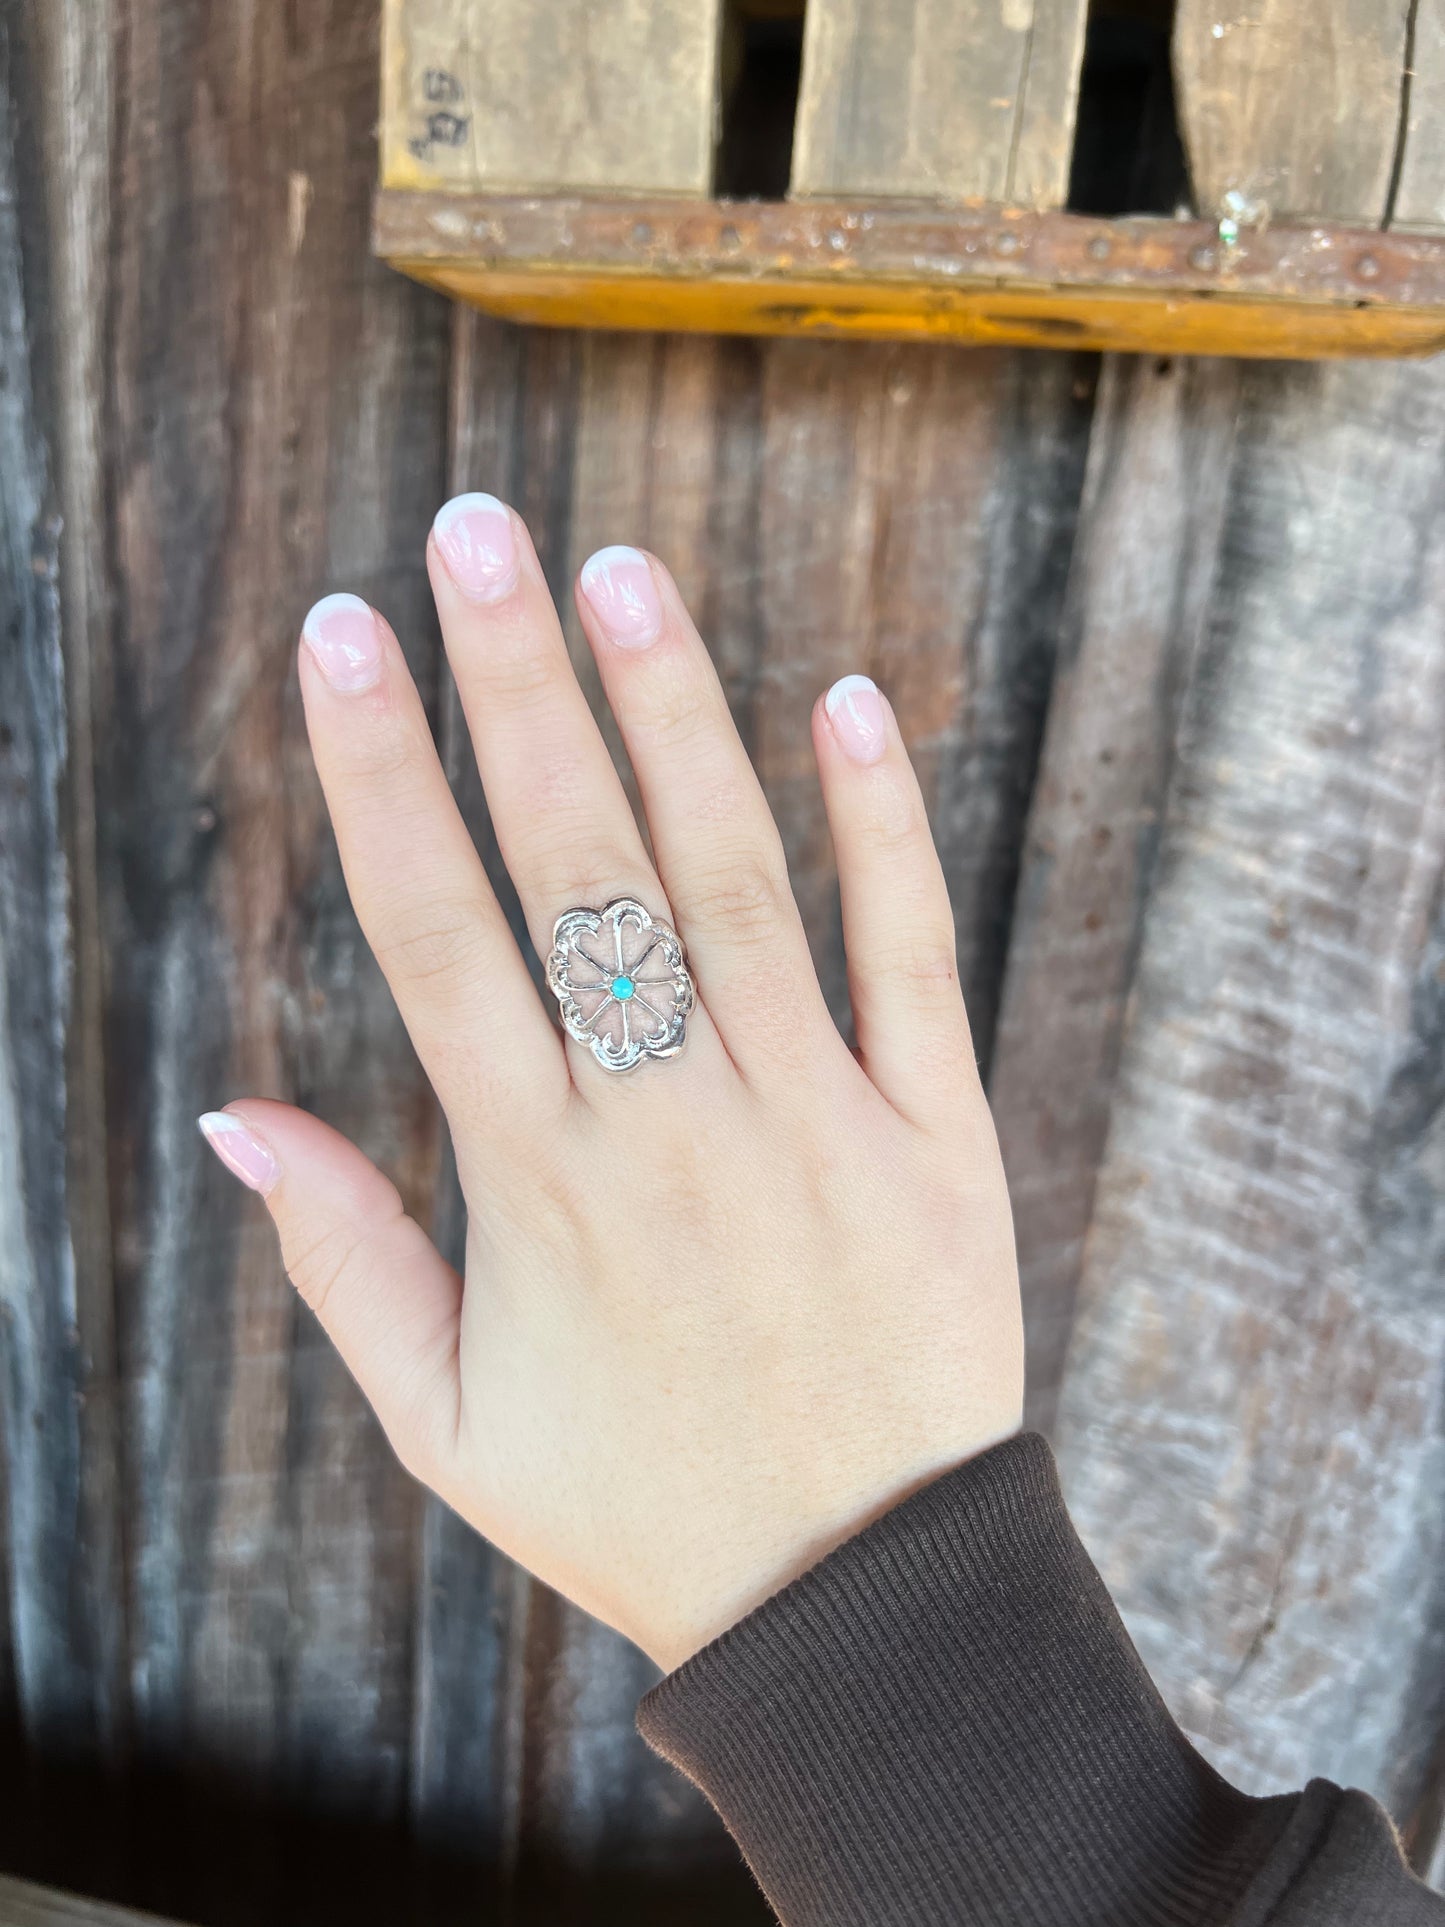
(622, 981)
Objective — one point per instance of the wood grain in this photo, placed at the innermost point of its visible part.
(1141, 583)
(271, 420)
(65, 1606)
(1260, 1318)
(1419, 196)
(617, 94)
(1292, 106)
(935, 100)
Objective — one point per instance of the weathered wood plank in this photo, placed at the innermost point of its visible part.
(873, 271)
(933, 99)
(24, 1905)
(1142, 575)
(273, 422)
(1252, 1426)
(1291, 106)
(64, 1611)
(617, 94)
(1419, 198)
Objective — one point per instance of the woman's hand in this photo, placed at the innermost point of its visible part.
(721, 1310)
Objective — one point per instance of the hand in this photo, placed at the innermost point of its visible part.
(721, 1310)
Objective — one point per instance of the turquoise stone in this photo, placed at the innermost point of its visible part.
(622, 988)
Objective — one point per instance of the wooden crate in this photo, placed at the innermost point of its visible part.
(552, 161)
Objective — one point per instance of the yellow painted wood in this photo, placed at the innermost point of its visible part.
(1043, 318)
(513, 94)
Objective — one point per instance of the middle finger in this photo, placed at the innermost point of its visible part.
(561, 816)
(562, 820)
(718, 848)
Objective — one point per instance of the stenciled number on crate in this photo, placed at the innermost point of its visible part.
(442, 123)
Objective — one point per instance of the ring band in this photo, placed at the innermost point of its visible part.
(622, 982)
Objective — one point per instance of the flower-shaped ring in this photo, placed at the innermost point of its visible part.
(622, 981)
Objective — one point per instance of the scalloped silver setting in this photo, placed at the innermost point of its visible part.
(622, 983)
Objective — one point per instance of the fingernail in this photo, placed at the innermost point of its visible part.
(237, 1146)
(342, 636)
(618, 584)
(476, 541)
(860, 722)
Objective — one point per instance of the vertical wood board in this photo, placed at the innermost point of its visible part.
(1143, 572)
(939, 100)
(65, 1608)
(271, 417)
(1251, 1428)
(1419, 199)
(1291, 108)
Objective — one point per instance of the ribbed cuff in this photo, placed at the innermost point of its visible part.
(945, 1722)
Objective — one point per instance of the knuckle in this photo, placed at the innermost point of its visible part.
(593, 879)
(921, 965)
(389, 752)
(522, 678)
(898, 826)
(435, 945)
(418, 1430)
(319, 1265)
(747, 899)
(681, 714)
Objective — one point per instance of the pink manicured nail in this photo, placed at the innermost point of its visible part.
(476, 541)
(860, 722)
(240, 1150)
(618, 584)
(342, 636)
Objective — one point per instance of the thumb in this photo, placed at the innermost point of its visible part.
(388, 1300)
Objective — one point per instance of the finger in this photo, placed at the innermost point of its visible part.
(387, 1299)
(717, 846)
(415, 878)
(898, 927)
(562, 820)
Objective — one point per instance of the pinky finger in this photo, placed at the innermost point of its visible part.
(387, 1299)
(898, 931)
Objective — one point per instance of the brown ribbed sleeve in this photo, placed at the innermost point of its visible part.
(945, 1722)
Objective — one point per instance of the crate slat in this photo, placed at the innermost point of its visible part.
(615, 94)
(1420, 195)
(1293, 106)
(939, 99)
(892, 272)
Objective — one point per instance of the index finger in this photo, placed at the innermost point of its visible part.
(415, 878)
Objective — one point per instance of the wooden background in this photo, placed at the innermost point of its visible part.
(1166, 640)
